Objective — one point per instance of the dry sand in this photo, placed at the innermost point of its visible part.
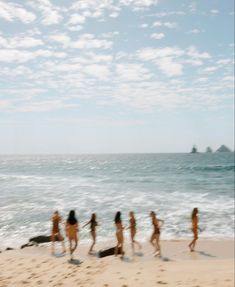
(211, 265)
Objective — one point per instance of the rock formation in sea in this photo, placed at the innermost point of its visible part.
(223, 148)
(209, 149)
(194, 149)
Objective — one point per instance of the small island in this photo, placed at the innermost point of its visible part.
(194, 149)
(209, 149)
(223, 148)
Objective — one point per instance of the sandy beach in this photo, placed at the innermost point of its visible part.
(211, 265)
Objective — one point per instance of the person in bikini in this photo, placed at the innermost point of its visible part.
(119, 234)
(55, 232)
(155, 238)
(71, 232)
(195, 228)
(93, 224)
(132, 228)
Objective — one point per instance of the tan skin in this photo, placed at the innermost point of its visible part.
(71, 233)
(194, 229)
(120, 238)
(155, 238)
(55, 233)
(93, 231)
(132, 228)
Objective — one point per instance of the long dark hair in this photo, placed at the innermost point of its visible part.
(71, 218)
(93, 219)
(195, 212)
(117, 218)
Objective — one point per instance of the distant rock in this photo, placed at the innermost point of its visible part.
(40, 239)
(194, 149)
(9, 248)
(209, 149)
(223, 148)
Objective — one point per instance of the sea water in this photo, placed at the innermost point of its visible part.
(32, 187)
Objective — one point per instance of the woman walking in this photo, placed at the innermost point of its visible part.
(55, 232)
(155, 238)
(132, 228)
(195, 228)
(119, 234)
(71, 232)
(93, 224)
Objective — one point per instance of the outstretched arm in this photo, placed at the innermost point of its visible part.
(86, 224)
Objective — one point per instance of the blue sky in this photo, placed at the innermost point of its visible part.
(104, 76)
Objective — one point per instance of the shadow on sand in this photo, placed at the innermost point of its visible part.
(205, 254)
(165, 259)
(57, 255)
(75, 262)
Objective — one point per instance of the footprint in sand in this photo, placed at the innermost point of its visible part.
(24, 282)
(106, 285)
(161, 282)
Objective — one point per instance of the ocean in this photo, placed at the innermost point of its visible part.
(33, 186)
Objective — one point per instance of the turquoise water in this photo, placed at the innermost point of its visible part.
(31, 187)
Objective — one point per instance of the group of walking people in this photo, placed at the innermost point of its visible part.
(72, 229)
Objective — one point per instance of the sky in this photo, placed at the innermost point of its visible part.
(115, 76)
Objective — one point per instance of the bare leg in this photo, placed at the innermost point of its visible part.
(116, 249)
(70, 249)
(193, 242)
(61, 239)
(53, 244)
(93, 234)
(158, 248)
(63, 246)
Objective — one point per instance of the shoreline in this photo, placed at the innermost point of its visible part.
(210, 265)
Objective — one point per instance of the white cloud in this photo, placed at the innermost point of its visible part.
(114, 15)
(223, 62)
(15, 71)
(157, 36)
(60, 38)
(85, 41)
(13, 11)
(170, 60)
(51, 15)
(132, 72)
(139, 3)
(13, 55)
(214, 11)
(88, 41)
(76, 19)
(170, 67)
(20, 42)
(44, 106)
(194, 31)
(100, 72)
(167, 14)
(148, 54)
(194, 54)
(144, 25)
(170, 25)
(76, 28)
(210, 69)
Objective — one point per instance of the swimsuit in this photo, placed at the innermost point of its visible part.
(156, 228)
(93, 226)
(72, 231)
(55, 227)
